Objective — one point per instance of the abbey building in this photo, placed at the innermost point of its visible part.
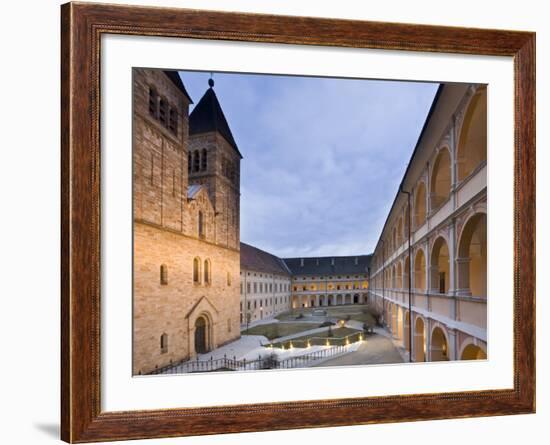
(186, 183)
(196, 285)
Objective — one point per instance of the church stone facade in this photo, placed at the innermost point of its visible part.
(186, 223)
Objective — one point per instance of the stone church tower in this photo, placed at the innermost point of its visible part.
(214, 161)
(186, 223)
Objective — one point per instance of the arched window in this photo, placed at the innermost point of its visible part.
(419, 343)
(472, 257)
(420, 271)
(163, 112)
(472, 144)
(473, 352)
(207, 272)
(204, 159)
(163, 274)
(164, 343)
(438, 346)
(441, 178)
(439, 270)
(201, 225)
(153, 103)
(197, 271)
(420, 206)
(399, 283)
(173, 122)
(196, 161)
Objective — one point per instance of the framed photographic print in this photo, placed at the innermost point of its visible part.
(276, 222)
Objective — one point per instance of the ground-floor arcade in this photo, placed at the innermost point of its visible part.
(432, 339)
(328, 299)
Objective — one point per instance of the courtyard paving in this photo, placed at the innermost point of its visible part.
(378, 349)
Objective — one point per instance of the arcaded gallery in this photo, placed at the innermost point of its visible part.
(428, 274)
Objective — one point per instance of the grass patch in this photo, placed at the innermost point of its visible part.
(320, 338)
(355, 312)
(275, 330)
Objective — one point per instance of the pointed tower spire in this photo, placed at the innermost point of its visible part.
(208, 116)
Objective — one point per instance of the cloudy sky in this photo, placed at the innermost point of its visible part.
(323, 158)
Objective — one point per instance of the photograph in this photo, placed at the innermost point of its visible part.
(287, 221)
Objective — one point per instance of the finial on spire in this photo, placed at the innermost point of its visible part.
(211, 81)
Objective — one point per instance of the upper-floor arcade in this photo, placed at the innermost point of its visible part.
(443, 175)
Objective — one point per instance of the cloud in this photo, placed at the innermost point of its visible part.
(322, 157)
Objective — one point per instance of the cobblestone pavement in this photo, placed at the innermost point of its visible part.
(376, 350)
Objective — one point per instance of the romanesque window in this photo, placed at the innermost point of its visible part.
(153, 103)
(173, 121)
(207, 272)
(196, 161)
(201, 225)
(204, 159)
(163, 112)
(228, 325)
(163, 274)
(228, 278)
(197, 271)
(164, 343)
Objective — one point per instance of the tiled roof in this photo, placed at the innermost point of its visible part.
(256, 259)
(337, 265)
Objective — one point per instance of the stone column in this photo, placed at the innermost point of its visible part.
(428, 337)
(428, 270)
(452, 269)
(452, 346)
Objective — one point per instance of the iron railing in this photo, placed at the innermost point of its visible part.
(267, 362)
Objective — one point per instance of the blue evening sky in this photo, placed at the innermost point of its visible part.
(323, 158)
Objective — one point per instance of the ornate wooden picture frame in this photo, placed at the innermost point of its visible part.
(82, 27)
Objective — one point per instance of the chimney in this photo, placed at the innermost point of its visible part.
(301, 262)
(356, 261)
(332, 261)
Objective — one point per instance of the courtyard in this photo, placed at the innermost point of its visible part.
(308, 337)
